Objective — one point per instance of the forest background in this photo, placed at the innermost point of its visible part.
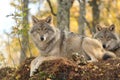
(79, 16)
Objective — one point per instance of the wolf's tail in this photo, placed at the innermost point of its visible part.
(108, 54)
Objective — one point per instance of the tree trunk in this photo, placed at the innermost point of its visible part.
(95, 12)
(81, 21)
(24, 42)
(63, 14)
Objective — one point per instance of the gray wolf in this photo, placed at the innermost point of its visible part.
(54, 43)
(108, 37)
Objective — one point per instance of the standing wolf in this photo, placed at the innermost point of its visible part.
(110, 40)
(54, 43)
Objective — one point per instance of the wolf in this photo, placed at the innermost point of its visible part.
(109, 38)
(53, 43)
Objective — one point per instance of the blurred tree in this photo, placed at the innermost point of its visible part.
(63, 14)
(81, 21)
(95, 12)
(25, 26)
(22, 26)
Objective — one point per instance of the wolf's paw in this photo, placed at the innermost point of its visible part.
(33, 72)
(35, 65)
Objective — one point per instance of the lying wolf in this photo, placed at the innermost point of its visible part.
(109, 38)
(54, 43)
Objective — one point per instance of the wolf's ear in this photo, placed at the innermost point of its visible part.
(48, 19)
(112, 27)
(98, 27)
(34, 19)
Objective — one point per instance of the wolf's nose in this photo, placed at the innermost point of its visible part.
(104, 46)
(41, 38)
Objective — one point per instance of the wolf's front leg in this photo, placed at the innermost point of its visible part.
(35, 64)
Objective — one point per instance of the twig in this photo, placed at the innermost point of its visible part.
(87, 24)
(48, 1)
(20, 44)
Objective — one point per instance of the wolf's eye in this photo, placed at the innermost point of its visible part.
(108, 38)
(101, 37)
(38, 29)
(45, 29)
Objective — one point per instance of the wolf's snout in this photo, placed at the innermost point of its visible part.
(42, 38)
(104, 46)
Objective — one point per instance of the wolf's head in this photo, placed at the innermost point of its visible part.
(41, 31)
(107, 36)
